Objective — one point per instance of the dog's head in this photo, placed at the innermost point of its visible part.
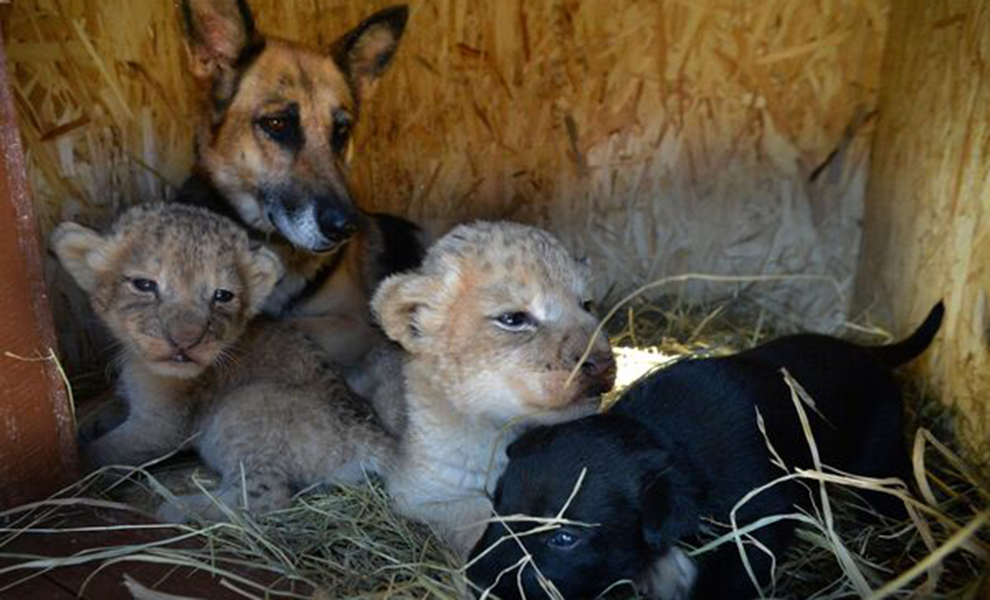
(175, 284)
(630, 507)
(282, 114)
(500, 314)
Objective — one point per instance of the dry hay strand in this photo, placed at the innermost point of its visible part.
(346, 542)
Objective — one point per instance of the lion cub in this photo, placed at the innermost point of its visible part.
(177, 286)
(491, 326)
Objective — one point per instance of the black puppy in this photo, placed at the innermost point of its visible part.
(683, 445)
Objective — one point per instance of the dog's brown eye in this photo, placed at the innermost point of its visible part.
(274, 124)
(283, 127)
(146, 286)
(223, 296)
(588, 306)
(515, 321)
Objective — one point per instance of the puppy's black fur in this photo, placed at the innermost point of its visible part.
(683, 445)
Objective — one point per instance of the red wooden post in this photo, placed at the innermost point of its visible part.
(37, 439)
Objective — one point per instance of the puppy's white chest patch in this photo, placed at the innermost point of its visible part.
(670, 577)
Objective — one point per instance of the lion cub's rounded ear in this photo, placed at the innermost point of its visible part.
(397, 303)
(264, 272)
(82, 253)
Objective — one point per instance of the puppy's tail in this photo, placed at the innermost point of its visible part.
(910, 347)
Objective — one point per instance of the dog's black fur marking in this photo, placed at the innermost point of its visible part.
(198, 190)
(683, 444)
(403, 246)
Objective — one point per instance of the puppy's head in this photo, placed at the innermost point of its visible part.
(282, 114)
(630, 507)
(175, 284)
(501, 312)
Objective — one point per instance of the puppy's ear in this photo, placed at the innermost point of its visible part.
(264, 272)
(397, 305)
(218, 31)
(669, 504)
(82, 252)
(364, 53)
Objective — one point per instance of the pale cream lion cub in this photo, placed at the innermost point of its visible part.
(177, 287)
(492, 324)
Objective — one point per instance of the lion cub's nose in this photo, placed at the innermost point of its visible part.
(599, 364)
(186, 335)
(599, 369)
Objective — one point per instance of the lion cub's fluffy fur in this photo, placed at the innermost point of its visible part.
(490, 327)
(259, 401)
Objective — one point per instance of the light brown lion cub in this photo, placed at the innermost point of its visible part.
(177, 287)
(492, 325)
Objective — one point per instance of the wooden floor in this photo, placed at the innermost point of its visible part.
(107, 583)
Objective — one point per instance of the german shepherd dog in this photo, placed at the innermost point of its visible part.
(273, 156)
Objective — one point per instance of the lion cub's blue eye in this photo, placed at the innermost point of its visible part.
(144, 285)
(223, 296)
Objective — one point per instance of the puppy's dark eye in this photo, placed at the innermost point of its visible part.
(563, 540)
(222, 296)
(146, 286)
(341, 130)
(515, 321)
(588, 306)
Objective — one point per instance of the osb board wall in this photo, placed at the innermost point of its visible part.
(37, 433)
(927, 229)
(659, 137)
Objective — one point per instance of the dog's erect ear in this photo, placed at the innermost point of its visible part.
(365, 52)
(669, 504)
(218, 32)
(82, 252)
(397, 305)
(264, 271)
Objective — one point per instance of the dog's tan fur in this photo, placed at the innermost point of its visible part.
(468, 380)
(273, 154)
(259, 401)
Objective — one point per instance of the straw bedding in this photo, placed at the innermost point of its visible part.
(106, 111)
(347, 543)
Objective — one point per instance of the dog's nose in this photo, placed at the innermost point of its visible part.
(336, 223)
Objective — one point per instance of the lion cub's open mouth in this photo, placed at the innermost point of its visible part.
(181, 357)
(178, 362)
